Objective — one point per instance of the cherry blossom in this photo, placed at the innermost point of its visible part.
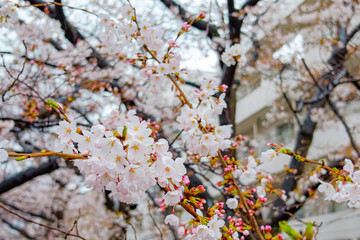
(121, 159)
(172, 220)
(122, 153)
(232, 203)
(232, 55)
(268, 156)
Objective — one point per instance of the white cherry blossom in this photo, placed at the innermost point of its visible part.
(232, 203)
(172, 220)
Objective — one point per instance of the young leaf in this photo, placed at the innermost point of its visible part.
(286, 228)
(309, 232)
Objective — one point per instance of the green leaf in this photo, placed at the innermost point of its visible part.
(21, 158)
(52, 104)
(309, 232)
(124, 131)
(286, 228)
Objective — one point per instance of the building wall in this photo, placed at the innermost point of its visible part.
(256, 100)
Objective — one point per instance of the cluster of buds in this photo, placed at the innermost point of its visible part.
(236, 227)
(189, 196)
(31, 110)
(154, 126)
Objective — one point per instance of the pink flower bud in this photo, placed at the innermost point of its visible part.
(267, 228)
(222, 88)
(201, 188)
(172, 43)
(186, 27)
(185, 180)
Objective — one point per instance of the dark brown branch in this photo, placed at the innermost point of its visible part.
(71, 32)
(250, 3)
(28, 174)
(343, 122)
(303, 142)
(235, 24)
(39, 215)
(310, 73)
(326, 91)
(56, 45)
(304, 139)
(352, 33)
(82, 115)
(202, 25)
(18, 229)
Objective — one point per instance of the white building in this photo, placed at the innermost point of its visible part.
(254, 118)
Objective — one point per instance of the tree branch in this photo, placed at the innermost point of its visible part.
(28, 174)
(20, 230)
(39, 215)
(40, 224)
(284, 215)
(342, 120)
(71, 32)
(202, 25)
(305, 135)
(286, 97)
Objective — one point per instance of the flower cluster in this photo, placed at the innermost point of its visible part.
(156, 74)
(122, 157)
(127, 27)
(233, 55)
(346, 190)
(192, 120)
(237, 226)
(248, 171)
(8, 14)
(209, 231)
(31, 110)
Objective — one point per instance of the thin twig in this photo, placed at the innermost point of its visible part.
(251, 217)
(310, 73)
(133, 228)
(333, 107)
(55, 3)
(152, 218)
(18, 76)
(177, 136)
(40, 224)
(75, 225)
(286, 97)
(342, 120)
